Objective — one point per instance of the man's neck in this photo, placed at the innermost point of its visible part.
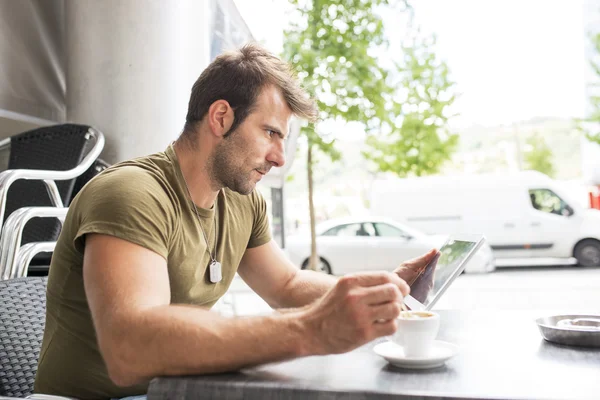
(193, 163)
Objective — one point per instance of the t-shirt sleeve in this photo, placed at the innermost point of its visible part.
(127, 203)
(261, 230)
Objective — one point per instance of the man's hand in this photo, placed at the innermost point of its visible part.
(358, 309)
(411, 269)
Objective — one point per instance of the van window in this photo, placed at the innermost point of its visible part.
(386, 230)
(546, 200)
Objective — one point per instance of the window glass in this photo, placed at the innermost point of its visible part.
(368, 229)
(344, 230)
(229, 31)
(218, 34)
(386, 230)
(546, 200)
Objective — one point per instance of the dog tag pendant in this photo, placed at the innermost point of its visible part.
(215, 271)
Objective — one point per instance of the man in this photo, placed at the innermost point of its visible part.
(151, 244)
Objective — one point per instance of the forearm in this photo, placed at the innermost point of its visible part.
(305, 287)
(179, 340)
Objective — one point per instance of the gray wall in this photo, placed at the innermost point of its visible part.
(32, 59)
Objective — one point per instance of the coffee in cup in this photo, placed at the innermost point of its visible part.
(416, 332)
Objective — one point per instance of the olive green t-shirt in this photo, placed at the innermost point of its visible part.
(143, 201)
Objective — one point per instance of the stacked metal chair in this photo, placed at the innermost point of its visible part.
(46, 166)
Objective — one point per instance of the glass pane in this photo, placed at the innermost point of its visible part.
(546, 200)
(386, 230)
(369, 229)
(331, 231)
(344, 230)
(217, 45)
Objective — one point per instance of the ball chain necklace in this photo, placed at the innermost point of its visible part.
(215, 274)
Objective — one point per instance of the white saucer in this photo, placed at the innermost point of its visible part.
(394, 354)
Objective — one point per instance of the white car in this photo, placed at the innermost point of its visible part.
(372, 244)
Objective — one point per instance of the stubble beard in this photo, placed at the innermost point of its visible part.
(224, 171)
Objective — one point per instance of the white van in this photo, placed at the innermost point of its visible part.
(522, 215)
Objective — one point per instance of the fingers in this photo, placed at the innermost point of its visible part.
(370, 279)
(401, 284)
(385, 328)
(421, 261)
(386, 293)
(425, 258)
(385, 312)
(360, 308)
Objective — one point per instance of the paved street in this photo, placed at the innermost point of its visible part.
(532, 288)
(547, 289)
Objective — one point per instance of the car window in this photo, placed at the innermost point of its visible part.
(546, 200)
(368, 229)
(344, 230)
(386, 230)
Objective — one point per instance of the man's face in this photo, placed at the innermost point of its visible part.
(242, 158)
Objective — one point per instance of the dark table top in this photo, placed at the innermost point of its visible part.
(502, 356)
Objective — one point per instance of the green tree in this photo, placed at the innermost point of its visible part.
(416, 140)
(330, 47)
(590, 126)
(538, 155)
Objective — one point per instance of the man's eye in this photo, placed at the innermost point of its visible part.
(271, 133)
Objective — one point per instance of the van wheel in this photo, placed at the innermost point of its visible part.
(587, 253)
(323, 266)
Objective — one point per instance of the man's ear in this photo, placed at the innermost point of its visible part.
(220, 117)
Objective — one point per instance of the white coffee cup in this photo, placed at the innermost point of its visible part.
(416, 332)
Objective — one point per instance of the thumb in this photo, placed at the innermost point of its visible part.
(423, 260)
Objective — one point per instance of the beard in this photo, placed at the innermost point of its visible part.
(228, 168)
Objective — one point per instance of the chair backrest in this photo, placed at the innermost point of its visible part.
(58, 147)
(44, 259)
(22, 318)
(98, 166)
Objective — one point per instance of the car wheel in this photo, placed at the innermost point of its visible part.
(322, 267)
(587, 253)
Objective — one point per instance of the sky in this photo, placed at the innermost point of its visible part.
(266, 20)
(512, 60)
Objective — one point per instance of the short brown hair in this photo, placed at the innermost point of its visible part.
(238, 77)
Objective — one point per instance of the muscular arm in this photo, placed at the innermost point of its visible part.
(141, 335)
(273, 277)
(282, 285)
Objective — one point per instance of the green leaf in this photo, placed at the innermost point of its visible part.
(418, 141)
(538, 155)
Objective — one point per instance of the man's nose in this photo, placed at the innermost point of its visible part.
(277, 154)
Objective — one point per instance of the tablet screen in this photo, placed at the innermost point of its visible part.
(440, 270)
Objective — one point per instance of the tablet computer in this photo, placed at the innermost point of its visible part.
(442, 270)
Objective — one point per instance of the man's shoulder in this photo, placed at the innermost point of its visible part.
(133, 179)
(125, 179)
(156, 166)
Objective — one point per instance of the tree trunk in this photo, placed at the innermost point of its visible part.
(314, 258)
